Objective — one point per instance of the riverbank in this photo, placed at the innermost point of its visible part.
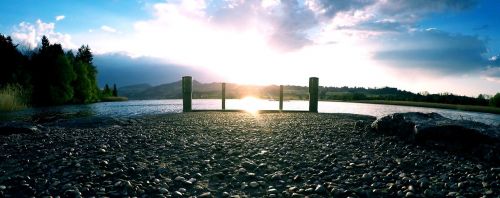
(113, 99)
(474, 108)
(217, 154)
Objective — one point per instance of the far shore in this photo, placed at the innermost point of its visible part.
(474, 108)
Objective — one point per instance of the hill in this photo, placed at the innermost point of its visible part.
(213, 90)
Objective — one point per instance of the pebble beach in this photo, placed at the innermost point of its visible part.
(235, 154)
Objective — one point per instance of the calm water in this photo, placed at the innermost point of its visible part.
(148, 107)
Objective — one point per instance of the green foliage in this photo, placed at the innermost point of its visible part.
(55, 77)
(13, 97)
(13, 66)
(495, 100)
(84, 55)
(81, 85)
(107, 91)
(115, 92)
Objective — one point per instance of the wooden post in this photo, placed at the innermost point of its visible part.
(281, 97)
(223, 96)
(187, 93)
(313, 94)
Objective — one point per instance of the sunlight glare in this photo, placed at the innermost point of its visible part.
(250, 104)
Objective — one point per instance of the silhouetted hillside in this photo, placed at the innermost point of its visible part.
(213, 90)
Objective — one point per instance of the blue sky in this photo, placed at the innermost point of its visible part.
(419, 45)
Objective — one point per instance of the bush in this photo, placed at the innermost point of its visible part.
(495, 100)
(13, 98)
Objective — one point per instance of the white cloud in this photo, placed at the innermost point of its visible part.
(31, 34)
(60, 17)
(243, 40)
(108, 29)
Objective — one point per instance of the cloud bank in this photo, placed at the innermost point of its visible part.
(345, 42)
(30, 34)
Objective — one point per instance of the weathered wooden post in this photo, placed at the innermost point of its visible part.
(223, 96)
(187, 93)
(313, 94)
(281, 97)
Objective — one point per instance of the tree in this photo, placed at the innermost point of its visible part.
(115, 92)
(106, 91)
(52, 75)
(495, 100)
(13, 64)
(81, 85)
(85, 56)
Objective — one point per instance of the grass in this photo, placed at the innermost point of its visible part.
(485, 109)
(12, 98)
(113, 99)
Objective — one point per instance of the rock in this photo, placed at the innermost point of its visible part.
(180, 179)
(191, 181)
(248, 164)
(463, 135)
(163, 190)
(254, 184)
(433, 126)
(409, 194)
(320, 189)
(205, 194)
(177, 193)
(272, 191)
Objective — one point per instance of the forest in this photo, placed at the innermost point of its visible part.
(47, 75)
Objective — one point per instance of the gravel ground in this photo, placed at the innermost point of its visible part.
(214, 154)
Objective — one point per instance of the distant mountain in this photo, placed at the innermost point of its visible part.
(213, 90)
(200, 90)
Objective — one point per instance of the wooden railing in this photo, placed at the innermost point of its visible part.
(187, 94)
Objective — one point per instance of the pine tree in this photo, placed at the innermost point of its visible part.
(52, 75)
(115, 92)
(85, 56)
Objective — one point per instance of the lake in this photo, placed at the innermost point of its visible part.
(150, 107)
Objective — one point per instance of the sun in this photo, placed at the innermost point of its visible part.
(250, 104)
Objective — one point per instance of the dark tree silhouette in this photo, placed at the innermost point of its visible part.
(106, 91)
(13, 65)
(495, 100)
(85, 57)
(52, 75)
(115, 92)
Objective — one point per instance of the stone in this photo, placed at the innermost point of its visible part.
(409, 194)
(254, 184)
(320, 189)
(435, 130)
(163, 190)
(205, 194)
(433, 126)
(180, 178)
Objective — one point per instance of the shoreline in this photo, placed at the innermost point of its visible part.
(214, 154)
(469, 108)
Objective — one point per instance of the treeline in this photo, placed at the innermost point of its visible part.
(48, 74)
(394, 94)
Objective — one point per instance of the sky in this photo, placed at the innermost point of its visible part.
(419, 45)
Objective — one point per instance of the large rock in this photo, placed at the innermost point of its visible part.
(434, 129)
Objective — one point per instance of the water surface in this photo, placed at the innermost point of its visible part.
(151, 107)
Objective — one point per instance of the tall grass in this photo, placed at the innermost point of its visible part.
(13, 98)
